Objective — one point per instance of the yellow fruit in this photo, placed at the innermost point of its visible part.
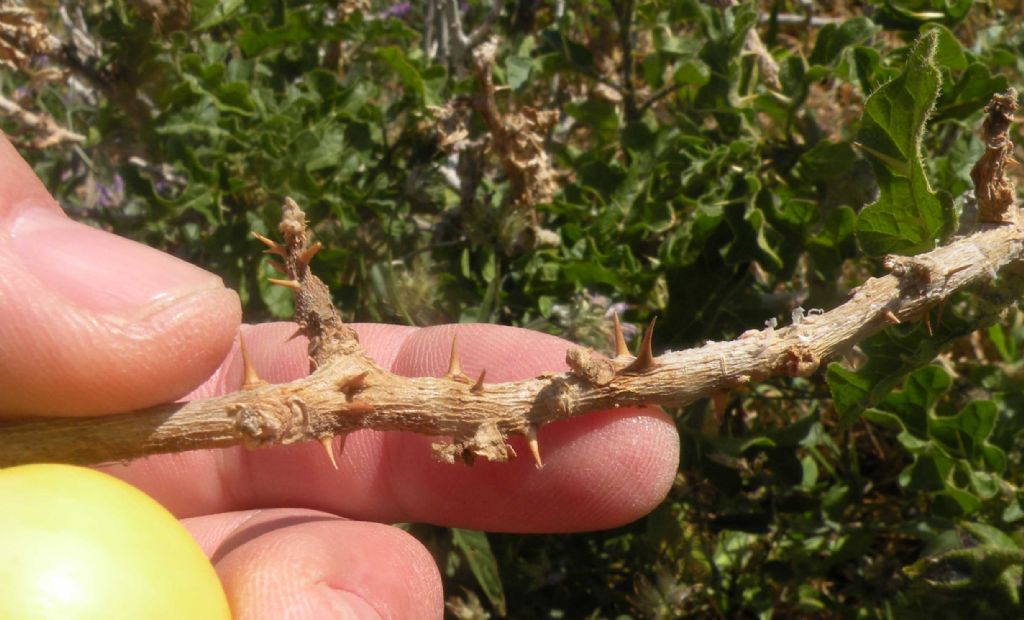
(78, 544)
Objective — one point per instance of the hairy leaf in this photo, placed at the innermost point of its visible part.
(908, 216)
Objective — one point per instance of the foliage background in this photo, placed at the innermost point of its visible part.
(685, 182)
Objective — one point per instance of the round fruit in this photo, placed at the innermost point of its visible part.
(78, 544)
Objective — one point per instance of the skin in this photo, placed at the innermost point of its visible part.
(93, 324)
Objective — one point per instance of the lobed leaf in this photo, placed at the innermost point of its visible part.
(908, 217)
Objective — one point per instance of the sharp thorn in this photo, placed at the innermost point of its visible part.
(307, 255)
(890, 317)
(454, 366)
(328, 444)
(250, 379)
(273, 247)
(531, 441)
(278, 267)
(621, 350)
(645, 355)
(270, 243)
(479, 385)
(928, 322)
(290, 284)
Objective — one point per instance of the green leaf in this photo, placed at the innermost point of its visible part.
(975, 570)
(692, 72)
(477, 550)
(966, 434)
(209, 13)
(589, 272)
(407, 73)
(891, 355)
(948, 52)
(827, 160)
(517, 71)
(834, 38)
(234, 97)
(258, 38)
(601, 116)
(970, 93)
(908, 216)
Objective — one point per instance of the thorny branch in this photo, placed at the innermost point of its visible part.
(347, 391)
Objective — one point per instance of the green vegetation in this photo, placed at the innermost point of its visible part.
(679, 175)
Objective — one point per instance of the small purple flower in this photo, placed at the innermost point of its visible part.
(398, 10)
(163, 188)
(110, 195)
(618, 308)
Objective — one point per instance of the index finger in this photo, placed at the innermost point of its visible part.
(601, 470)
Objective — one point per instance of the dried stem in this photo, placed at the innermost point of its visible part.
(995, 192)
(347, 391)
(50, 132)
(516, 137)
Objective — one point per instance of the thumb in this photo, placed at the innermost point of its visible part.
(91, 323)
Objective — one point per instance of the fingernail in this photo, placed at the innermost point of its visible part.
(102, 272)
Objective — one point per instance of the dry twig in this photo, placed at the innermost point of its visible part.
(22, 36)
(347, 391)
(50, 132)
(994, 191)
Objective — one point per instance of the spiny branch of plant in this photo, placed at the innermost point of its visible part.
(347, 391)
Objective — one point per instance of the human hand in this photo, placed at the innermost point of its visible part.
(91, 324)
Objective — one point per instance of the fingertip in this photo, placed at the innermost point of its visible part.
(19, 185)
(300, 563)
(71, 362)
(92, 323)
